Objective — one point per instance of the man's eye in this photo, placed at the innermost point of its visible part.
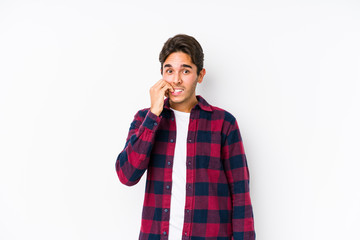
(186, 71)
(169, 71)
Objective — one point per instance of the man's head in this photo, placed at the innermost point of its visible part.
(186, 44)
(182, 67)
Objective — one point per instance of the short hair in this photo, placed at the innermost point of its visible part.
(186, 44)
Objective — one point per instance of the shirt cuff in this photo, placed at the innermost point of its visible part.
(151, 121)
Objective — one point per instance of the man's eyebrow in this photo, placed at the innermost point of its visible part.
(183, 65)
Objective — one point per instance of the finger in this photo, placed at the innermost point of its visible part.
(158, 84)
(170, 87)
(161, 84)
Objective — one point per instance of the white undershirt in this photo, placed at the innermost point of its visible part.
(178, 192)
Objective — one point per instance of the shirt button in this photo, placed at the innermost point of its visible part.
(185, 233)
(169, 163)
(167, 187)
(171, 140)
(187, 210)
(172, 119)
(164, 233)
(189, 140)
(166, 210)
(189, 163)
(155, 124)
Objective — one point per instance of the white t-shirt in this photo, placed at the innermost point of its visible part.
(178, 192)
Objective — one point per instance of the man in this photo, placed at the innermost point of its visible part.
(197, 174)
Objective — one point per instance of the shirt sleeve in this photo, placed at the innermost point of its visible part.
(133, 160)
(237, 172)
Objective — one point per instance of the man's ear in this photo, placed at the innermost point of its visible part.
(201, 75)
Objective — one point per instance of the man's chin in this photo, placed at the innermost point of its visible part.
(175, 100)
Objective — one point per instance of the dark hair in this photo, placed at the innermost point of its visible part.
(186, 44)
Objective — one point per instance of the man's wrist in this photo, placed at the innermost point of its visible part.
(157, 113)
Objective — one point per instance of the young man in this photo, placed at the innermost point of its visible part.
(197, 174)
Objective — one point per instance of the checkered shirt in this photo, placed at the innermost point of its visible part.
(218, 204)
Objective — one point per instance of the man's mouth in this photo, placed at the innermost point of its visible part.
(177, 92)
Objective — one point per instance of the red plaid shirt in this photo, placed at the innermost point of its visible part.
(217, 205)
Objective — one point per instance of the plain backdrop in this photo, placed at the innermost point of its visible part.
(74, 73)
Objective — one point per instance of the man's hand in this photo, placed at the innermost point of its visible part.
(157, 94)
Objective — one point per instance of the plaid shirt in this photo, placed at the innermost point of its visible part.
(217, 205)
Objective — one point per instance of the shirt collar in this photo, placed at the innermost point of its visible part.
(202, 103)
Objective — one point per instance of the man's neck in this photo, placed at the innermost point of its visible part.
(182, 107)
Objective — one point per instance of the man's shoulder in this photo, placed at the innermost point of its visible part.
(221, 113)
(217, 112)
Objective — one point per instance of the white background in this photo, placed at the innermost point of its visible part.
(74, 73)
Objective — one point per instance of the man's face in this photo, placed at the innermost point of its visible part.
(180, 72)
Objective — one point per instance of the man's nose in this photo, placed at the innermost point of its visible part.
(177, 78)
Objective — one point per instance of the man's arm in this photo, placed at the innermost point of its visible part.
(237, 172)
(133, 160)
